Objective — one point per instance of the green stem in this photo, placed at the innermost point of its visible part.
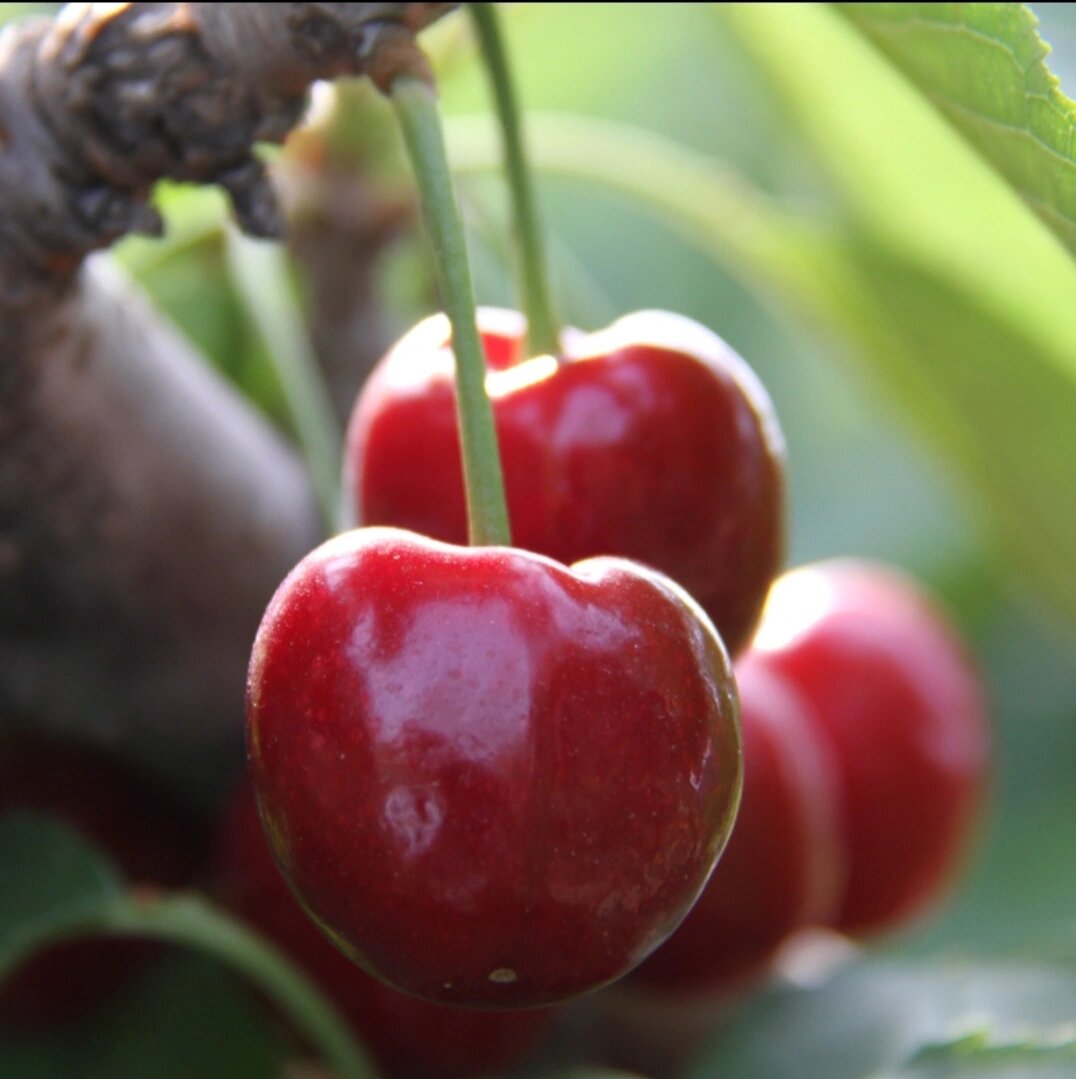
(543, 329)
(260, 273)
(189, 920)
(416, 109)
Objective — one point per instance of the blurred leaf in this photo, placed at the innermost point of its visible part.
(52, 880)
(57, 887)
(982, 349)
(974, 385)
(192, 215)
(876, 1018)
(192, 1018)
(975, 1055)
(899, 171)
(186, 274)
(186, 1017)
(984, 66)
(259, 272)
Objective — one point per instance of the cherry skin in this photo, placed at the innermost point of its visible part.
(152, 839)
(493, 780)
(784, 868)
(409, 1037)
(903, 709)
(651, 440)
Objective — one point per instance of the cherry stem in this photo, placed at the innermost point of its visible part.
(420, 121)
(259, 272)
(543, 329)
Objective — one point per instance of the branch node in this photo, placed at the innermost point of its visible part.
(253, 199)
(390, 51)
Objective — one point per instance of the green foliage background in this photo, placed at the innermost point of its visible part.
(875, 205)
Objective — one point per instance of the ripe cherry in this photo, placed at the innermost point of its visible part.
(902, 707)
(151, 838)
(784, 866)
(651, 440)
(408, 1036)
(491, 779)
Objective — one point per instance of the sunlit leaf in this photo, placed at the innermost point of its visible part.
(984, 66)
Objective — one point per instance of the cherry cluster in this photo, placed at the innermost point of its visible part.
(498, 777)
(501, 735)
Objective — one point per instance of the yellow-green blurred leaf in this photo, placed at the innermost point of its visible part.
(984, 66)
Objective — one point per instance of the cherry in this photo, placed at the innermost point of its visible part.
(150, 837)
(491, 779)
(784, 866)
(408, 1036)
(896, 695)
(651, 440)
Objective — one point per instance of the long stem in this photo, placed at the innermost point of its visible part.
(189, 920)
(416, 109)
(259, 272)
(543, 329)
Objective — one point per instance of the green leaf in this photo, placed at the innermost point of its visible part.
(186, 1016)
(1037, 1056)
(260, 275)
(983, 344)
(876, 1018)
(57, 887)
(53, 881)
(186, 274)
(984, 66)
(975, 386)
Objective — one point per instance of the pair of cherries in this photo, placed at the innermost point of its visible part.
(499, 778)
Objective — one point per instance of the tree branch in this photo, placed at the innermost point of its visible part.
(146, 512)
(98, 105)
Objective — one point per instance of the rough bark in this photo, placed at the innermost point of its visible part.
(146, 512)
(98, 105)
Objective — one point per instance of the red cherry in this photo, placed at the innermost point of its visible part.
(151, 838)
(902, 706)
(407, 1035)
(650, 440)
(784, 866)
(493, 780)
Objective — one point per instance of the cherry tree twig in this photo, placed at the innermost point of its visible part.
(146, 512)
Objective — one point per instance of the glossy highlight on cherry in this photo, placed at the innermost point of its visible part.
(650, 440)
(493, 780)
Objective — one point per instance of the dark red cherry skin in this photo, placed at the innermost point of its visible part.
(409, 1037)
(150, 837)
(903, 708)
(783, 869)
(651, 440)
(493, 780)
